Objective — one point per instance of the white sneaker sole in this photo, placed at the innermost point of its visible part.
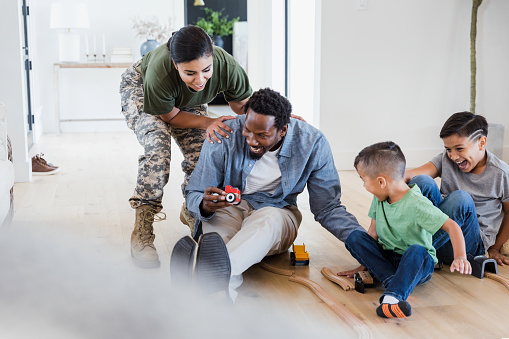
(55, 171)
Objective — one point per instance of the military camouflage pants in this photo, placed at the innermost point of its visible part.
(155, 137)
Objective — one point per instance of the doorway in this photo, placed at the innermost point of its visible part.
(301, 49)
(30, 120)
(230, 9)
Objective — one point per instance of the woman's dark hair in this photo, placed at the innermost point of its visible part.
(189, 43)
(269, 102)
(464, 124)
(383, 158)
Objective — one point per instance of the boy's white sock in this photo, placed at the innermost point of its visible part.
(388, 299)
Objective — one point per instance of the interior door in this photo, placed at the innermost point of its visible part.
(28, 72)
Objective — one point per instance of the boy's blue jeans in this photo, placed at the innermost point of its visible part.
(398, 273)
(460, 207)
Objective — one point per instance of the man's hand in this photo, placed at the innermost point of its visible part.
(499, 257)
(350, 273)
(218, 127)
(461, 265)
(213, 199)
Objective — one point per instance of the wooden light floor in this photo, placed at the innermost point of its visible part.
(89, 199)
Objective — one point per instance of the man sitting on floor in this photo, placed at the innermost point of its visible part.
(270, 158)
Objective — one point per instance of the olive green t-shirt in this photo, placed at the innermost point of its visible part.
(163, 88)
(410, 221)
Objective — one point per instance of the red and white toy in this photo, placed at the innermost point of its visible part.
(232, 195)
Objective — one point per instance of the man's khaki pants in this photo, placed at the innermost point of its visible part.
(251, 234)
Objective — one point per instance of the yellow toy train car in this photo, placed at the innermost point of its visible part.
(299, 256)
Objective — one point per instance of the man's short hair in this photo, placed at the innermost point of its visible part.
(465, 124)
(383, 158)
(269, 102)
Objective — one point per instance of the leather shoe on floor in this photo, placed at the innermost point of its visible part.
(182, 262)
(41, 166)
(213, 267)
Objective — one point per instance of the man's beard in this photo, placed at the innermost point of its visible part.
(255, 156)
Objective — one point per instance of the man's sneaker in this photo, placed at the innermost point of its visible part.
(41, 166)
(143, 251)
(182, 262)
(213, 267)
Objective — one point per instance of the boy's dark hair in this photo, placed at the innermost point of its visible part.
(269, 102)
(382, 158)
(189, 43)
(464, 124)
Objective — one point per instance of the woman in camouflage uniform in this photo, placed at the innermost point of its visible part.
(166, 94)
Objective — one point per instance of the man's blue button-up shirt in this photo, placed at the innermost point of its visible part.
(305, 158)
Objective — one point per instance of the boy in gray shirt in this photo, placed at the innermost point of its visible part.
(474, 182)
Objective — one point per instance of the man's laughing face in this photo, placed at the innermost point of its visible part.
(262, 134)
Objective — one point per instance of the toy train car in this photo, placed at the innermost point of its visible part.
(299, 256)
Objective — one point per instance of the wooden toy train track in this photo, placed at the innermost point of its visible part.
(358, 326)
(344, 283)
(499, 278)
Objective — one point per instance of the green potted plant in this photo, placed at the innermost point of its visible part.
(496, 131)
(473, 61)
(217, 25)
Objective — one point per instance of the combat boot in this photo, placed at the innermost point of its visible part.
(186, 218)
(143, 250)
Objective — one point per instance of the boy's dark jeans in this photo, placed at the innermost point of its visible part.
(398, 273)
(460, 207)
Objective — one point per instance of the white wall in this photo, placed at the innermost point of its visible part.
(301, 55)
(398, 70)
(11, 86)
(266, 50)
(111, 18)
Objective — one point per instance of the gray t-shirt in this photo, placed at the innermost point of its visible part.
(489, 190)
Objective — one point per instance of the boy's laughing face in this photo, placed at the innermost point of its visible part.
(469, 155)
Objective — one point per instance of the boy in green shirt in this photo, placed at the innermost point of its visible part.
(398, 247)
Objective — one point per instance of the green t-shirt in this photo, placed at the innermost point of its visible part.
(163, 88)
(410, 221)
